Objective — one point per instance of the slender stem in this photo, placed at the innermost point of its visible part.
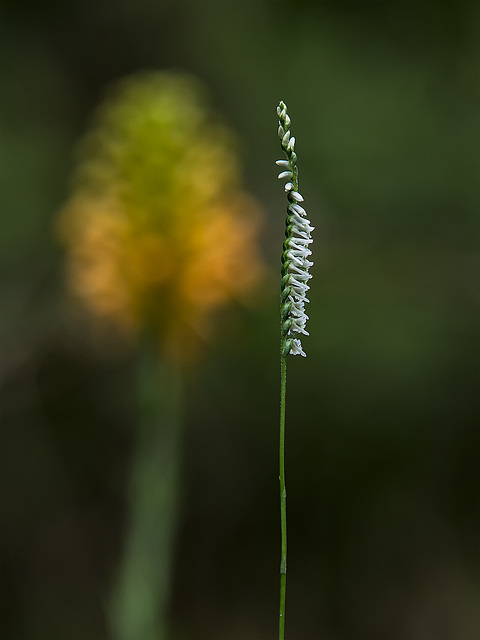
(283, 495)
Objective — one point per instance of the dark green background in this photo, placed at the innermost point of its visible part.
(382, 417)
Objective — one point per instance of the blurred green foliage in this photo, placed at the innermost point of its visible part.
(382, 424)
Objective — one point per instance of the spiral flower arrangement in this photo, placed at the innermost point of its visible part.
(295, 263)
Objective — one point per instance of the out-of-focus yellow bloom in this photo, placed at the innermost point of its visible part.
(158, 230)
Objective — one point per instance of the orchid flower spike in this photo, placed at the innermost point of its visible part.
(296, 250)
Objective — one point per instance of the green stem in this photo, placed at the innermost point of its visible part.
(283, 495)
(143, 583)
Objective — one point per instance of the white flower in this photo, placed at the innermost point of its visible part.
(296, 246)
(296, 348)
(296, 196)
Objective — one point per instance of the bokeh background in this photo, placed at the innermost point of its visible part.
(382, 416)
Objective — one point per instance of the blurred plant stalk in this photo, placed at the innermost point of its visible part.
(141, 595)
(160, 235)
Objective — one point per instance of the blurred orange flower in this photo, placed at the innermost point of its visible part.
(158, 230)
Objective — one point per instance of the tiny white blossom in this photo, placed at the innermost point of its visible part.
(296, 196)
(296, 348)
(298, 209)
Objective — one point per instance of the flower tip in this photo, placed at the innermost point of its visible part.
(285, 139)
